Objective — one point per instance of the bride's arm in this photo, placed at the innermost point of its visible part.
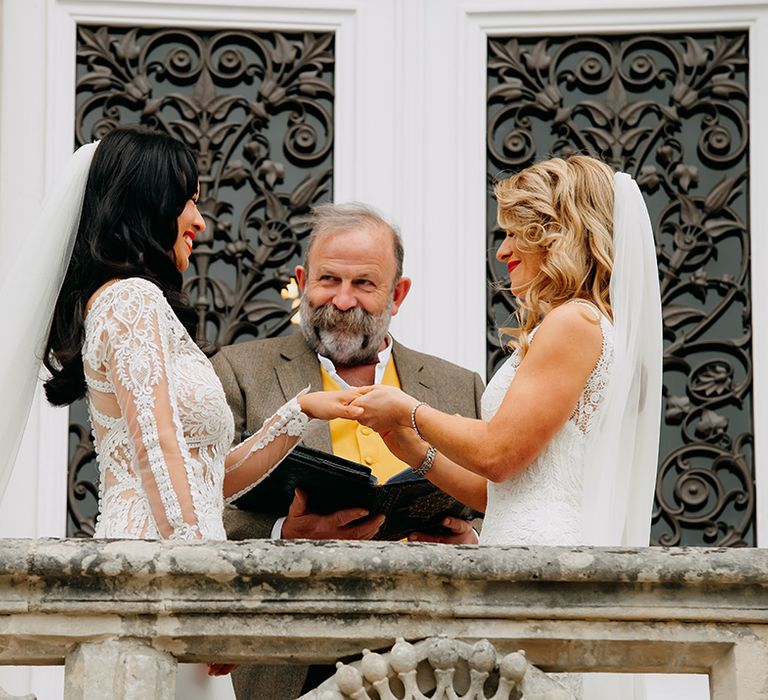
(138, 363)
(537, 404)
(253, 459)
(465, 486)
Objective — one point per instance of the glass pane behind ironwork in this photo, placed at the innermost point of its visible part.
(672, 110)
(257, 108)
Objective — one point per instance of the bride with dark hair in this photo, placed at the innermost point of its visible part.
(121, 337)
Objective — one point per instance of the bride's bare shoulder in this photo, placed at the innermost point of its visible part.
(570, 329)
(573, 316)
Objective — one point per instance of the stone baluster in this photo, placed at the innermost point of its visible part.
(119, 669)
(439, 666)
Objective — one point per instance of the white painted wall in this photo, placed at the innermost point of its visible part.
(410, 139)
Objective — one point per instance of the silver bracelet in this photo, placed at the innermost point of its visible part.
(413, 419)
(426, 465)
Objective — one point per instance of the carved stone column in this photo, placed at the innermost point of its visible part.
(443, 667)
(119, 670)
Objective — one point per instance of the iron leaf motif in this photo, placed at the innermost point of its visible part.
(257, 108)
(671, 110)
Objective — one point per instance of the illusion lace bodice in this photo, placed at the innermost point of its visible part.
(542, 504)
(161, 423)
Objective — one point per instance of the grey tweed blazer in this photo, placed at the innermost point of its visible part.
(260, 376)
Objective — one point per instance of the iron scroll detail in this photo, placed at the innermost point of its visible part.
(671, 110)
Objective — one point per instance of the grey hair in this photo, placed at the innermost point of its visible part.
(333, 218)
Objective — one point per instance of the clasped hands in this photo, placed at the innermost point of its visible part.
(387, 410)
(382, 408)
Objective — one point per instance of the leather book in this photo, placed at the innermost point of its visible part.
(410, 503)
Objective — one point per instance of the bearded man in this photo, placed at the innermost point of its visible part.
(352, 284)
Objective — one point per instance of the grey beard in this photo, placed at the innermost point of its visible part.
(351, 337)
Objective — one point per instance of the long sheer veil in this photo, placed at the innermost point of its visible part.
(622, 454)
(30, 280)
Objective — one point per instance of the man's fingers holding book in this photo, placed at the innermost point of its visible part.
(348, 515)
(347, 524)
(362, 529)
(462, 532)
(299, 504)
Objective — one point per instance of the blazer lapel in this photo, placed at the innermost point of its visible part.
(415, 377)
(298, 368)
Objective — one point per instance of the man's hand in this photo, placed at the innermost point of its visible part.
(462, 533)
(348, 524)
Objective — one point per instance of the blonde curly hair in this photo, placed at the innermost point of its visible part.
(562, 208)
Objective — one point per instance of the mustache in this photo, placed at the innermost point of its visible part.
(347, 337)
(328, 317)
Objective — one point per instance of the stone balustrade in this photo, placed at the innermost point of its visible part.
(120, 614)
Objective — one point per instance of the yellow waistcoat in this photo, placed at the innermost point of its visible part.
(353, 441)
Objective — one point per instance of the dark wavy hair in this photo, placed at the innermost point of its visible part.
(138, 184)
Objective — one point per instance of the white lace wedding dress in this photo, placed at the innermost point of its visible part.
(542, 504)
(161, 423)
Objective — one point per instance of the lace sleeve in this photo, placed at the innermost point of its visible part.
(252, 460)
(138, 363)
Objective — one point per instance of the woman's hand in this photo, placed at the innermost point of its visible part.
(384, 407)
(330, 404)
(221, 669)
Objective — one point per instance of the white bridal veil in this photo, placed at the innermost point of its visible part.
(30, 280)
(620, 471)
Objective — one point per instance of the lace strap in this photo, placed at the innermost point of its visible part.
(588, 304)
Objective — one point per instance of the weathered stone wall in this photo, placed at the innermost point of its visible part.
(574, 609)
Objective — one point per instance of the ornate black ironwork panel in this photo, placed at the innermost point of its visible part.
(672, 111)
(257, 108)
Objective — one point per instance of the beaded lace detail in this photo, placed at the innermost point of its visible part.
(289, 420)
(161, 424)
(542, 504)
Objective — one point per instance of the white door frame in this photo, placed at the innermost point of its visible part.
(409, 138)
(480, 19)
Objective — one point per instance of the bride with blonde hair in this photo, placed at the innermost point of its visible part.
(566, 450)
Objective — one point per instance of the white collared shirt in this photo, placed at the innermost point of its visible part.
(330, 368)
(381, 366)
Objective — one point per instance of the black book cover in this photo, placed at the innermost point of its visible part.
(332, 483)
